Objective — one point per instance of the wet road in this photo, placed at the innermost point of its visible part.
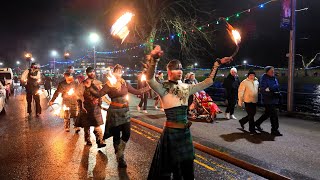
(38, 148)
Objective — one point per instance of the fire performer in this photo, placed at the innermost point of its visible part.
(175, 152)
(90, 109)
(118, 119)
(68, 89)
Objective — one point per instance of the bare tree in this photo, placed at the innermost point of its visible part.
(167, 18)
(306, 63)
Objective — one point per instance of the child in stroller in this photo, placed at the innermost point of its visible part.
(203, 107)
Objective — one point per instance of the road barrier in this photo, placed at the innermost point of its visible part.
(225, 157)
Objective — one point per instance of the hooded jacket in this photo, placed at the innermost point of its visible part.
(270, 89)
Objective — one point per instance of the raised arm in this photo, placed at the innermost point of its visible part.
(208, 81)
(95, 91)
(152, 61)
(56, 93)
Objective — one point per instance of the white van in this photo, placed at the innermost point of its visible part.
(7, 75)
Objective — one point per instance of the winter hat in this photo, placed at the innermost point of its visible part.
(267, 68)
(251, 72)
(89, 70)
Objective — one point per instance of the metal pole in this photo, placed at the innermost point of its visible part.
(54, 65)
(94, 57)
(291, 57)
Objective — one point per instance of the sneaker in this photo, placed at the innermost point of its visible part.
(227, 115)
(233, 117)
(145, 111)
(276, 133)
(161, 109)
(242, 125)
(259, 127)
(156, 107)
(138, 108)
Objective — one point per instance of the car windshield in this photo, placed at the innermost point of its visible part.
(5, 75)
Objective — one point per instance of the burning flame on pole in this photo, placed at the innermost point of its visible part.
(143, 77)
(70, 92)
(234, 34)
(120, 28)
(65, 108)
(112, 79)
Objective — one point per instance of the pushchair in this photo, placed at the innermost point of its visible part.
(203, 108)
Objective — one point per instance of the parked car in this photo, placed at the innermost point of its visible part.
(6, 75)
(2, 98)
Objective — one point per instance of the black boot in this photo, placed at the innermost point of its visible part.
(99, 140)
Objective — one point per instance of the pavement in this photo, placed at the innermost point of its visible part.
(296, 154)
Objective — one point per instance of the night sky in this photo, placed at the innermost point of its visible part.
(39, 26)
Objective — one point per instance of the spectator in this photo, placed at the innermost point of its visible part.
(48, 85)
(144, 97)
(231, 84)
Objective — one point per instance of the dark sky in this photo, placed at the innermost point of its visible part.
(39, 26)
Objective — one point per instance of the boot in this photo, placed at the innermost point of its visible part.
(67, 125)
(120, 154)
(99, 139)
(87, 136)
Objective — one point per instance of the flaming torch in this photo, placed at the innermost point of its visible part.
(112, 79)
(234, 34)
(120, 28)
(143, 78)
(70, 92)
(127, 97)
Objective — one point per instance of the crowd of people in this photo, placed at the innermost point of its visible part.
(174, 155)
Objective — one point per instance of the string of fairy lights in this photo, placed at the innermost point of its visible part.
(234, 16)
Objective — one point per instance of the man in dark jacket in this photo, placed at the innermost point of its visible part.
(68, 89)
(32, 78)
(231, 84)
(270, 90)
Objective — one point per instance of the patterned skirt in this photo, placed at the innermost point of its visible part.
(115, 117)
(174, 146)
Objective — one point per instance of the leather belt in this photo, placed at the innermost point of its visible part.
(121, 105)
(175, 125)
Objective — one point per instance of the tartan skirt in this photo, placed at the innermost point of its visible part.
(174, 146)
(115, 117)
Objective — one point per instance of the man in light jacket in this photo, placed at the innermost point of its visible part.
(248, 93)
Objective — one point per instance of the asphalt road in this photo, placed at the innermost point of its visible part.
(38, 148)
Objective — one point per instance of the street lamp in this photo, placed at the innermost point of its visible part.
(54, 53)
(94, 39)
(18, 62)
(1, 63)
(195, 65)
(32, 59)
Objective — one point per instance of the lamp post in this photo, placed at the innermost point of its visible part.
(94, 38)
(54, 53)
(1, 63)
(195, 65)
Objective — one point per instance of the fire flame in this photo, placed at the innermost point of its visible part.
(112, 79)
(236, 36)
(120, 28)
(65, 108)
(127, 97)
(143, 77)
(70, 92)
(39, 80)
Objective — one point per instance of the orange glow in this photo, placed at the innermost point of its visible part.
(70, 92)
(112, 79)
(236, 36)
(120, 28)
(143, 77)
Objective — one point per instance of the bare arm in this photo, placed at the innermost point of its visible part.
(135, 91)
(208, 81)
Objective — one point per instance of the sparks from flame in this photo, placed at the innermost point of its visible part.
(70, 92)
(143, 77)
(120, 28)
(112, 79)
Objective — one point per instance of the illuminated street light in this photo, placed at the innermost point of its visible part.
(245, 64)
(32, 59)
(1, 63)
(18, 62)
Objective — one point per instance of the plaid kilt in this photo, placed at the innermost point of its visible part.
(93, 117)
(115, 117)
(174, 146)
